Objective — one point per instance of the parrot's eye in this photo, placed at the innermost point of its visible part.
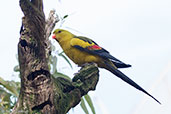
(59, 31)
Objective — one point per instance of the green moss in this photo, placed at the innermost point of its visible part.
(36, 112)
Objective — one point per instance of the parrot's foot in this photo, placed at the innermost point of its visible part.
(83, 66)
(85, 73)
(87, 64)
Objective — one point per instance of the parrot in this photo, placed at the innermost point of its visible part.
(82, 50)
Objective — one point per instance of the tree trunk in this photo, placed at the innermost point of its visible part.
(40, 92)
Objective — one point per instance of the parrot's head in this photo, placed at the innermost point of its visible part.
(61, 35)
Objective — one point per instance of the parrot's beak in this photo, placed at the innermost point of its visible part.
(53, 36)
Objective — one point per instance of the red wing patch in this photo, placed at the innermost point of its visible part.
(94, 47)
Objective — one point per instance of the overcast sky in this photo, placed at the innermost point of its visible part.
(137, 32)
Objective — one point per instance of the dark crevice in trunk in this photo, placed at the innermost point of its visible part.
(33, 75)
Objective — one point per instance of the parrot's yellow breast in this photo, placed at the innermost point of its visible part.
(77, 56)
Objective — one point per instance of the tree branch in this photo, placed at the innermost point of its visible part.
(40, 92)
(71, 91)
(34, 19)
(50, 24)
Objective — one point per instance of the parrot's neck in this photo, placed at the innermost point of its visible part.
(65, 42)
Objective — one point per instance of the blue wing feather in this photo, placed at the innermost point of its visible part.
(101, 52)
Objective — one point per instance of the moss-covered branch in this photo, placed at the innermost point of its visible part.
(69, 93)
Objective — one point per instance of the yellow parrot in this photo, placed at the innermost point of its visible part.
(82, 50)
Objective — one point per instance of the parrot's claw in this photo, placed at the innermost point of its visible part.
(83, 65)
(86, 64)
(76, 73)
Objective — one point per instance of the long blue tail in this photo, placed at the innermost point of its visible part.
(127, 79)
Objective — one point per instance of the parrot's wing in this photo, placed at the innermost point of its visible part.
(89, 46)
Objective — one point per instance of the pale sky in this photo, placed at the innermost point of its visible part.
(137, 32)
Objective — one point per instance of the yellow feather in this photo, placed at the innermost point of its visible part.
(77, 41)
(67, 41)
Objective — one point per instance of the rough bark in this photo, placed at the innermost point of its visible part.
(40, 92)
